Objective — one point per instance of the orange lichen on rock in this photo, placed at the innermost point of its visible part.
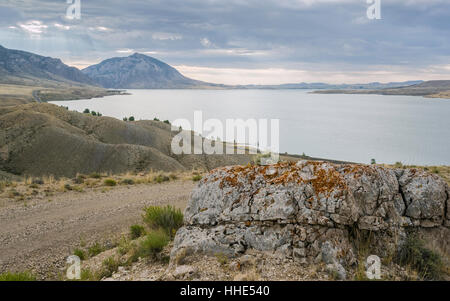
(325, 178)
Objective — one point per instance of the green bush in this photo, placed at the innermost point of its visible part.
(398, 164)
(125, 119)
(86, 111)
(24, 276)
(136, 231)
(80, 253)
(110, 266)
(161, 178)
(426, 262)
(167, 121)
(153, 243)
(168, 218)
(110, 182)
(196, 178)
(95, 175)
(127, 182)
(131, 118)
(93, 113)
(95, 249)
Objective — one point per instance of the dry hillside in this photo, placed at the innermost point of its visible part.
(43, 139)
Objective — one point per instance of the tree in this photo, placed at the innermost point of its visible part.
(125, 119)
(93, 113)
(373, 161)
(131, 118)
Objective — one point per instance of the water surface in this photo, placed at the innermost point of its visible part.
(412, 130)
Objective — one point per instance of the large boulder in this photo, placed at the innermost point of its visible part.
(311, 210)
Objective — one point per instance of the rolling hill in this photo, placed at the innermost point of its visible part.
(43, 139)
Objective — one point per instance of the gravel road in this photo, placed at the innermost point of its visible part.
(38, 237)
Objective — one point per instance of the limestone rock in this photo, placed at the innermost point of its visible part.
(310, 210)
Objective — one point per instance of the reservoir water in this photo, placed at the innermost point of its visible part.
(357, 128)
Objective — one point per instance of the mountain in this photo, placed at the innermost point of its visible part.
(21, 67)
(374, 85)
(435, 88)
(140, 71)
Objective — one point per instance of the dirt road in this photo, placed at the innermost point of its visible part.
(39, 236)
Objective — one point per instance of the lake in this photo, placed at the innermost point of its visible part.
(412, 130)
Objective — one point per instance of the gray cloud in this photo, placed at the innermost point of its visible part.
(315, 35)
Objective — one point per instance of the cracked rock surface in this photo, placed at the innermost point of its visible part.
(312, 211)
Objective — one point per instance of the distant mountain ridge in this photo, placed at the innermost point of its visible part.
(21, 67)
(139, 71)
(374, 85)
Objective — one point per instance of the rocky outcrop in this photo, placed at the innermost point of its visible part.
(312, 211)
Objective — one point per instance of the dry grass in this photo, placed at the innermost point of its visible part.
(442, 171)
(47, 186)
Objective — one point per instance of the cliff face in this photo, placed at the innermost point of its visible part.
(313, 211)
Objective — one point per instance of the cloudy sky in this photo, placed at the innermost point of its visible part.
(244, 41)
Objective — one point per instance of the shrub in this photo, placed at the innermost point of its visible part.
(428, 263)
(87, 275)
(136, 231)
(80, 253)
(127, 182)
(93, 113)
(257, 159)
(196, 178)
(124, 246)
(95, 249)
(153, 243)
(398, 165)
(78, 180)
(67, 187)
(161, 178)
(110, 182)
(110, 266)
(221, 258)
(156, 119)
(167, 121)
(86, 111)
(373, 161)
(131, 118)
(125, 119)
(24, 276)
(95, 175)
(168, 218)
(37, 182)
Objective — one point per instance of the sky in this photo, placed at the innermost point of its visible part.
(243, 41)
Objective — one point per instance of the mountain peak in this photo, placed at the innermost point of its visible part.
(138, 71)
(137, 54)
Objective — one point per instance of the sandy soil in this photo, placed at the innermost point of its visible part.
(39, 236)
